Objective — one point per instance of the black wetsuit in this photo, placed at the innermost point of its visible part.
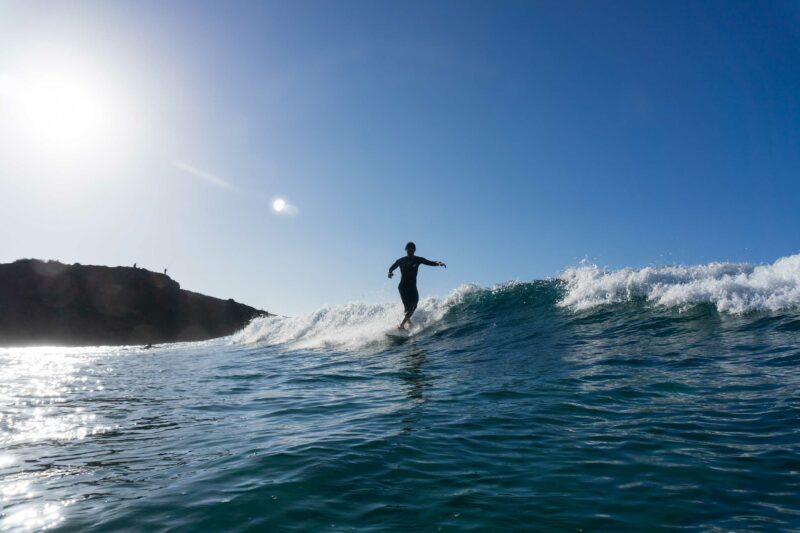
(408, 279)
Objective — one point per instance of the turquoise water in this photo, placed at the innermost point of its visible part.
(564, 405)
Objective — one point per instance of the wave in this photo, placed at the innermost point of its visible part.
(734, 288)
(351, 325)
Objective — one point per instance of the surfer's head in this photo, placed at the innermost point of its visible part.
(411, 248)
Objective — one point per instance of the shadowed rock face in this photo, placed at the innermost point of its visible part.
(50, 303)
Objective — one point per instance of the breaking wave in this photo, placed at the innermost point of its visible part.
(350, 325)
(731, 288)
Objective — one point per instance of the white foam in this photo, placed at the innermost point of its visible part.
(732, 287)
(347, 326)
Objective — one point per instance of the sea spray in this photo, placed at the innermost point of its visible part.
(731, 287)
(347, 326)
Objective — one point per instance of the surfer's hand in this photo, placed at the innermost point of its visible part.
(390, 275)
(442, 264)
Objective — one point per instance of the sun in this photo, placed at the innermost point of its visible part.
(62, 111)
(279, 205)
(62, 107)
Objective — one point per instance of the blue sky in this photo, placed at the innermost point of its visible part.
(509, 139)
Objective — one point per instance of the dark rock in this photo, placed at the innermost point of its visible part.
(50, 303)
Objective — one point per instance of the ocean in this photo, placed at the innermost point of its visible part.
(655, 399)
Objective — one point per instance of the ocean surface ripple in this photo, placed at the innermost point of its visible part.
(633, 400)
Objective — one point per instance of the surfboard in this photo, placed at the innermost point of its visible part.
(398, 334)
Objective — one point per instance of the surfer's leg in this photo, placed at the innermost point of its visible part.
(407, 320)
(410, 297)
(411, 300)
(406, 297)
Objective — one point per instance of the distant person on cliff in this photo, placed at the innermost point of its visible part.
(408, 281)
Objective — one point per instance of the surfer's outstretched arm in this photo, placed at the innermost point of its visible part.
(431, 263)
(391, 268)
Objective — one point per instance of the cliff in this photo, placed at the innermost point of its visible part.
(50, 303)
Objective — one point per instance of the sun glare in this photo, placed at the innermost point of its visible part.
(279, 205)
(62, 111)
(62, 108)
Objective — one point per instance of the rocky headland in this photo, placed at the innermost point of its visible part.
(49, 303)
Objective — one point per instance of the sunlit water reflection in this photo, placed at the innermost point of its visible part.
(45, 401)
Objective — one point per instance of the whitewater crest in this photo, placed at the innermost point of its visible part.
(348, 326)
(732, 287)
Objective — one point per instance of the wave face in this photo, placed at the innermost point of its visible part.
(728, 288)
(359, 325)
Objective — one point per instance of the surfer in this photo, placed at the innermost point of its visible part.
(408, 280)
